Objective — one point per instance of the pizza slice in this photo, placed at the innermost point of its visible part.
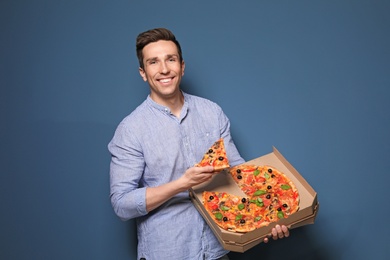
(216, 157)
(231, 212)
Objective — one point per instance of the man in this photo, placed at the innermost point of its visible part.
(154, 151)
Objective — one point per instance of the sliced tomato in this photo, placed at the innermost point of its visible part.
(213, 205)
(249, 190)
(249, 179)
(260, 179)
(248, 169)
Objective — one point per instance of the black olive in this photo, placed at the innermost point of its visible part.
(268, 196)
(238, 171)
(225, 219)
(239, 177)
(270, 170)
(243, 200)
(211, 151)
(285, 205)
(269, 187)
(242, 221)
(211, 197)
(270, 207)
(279, 209)
(273, 176)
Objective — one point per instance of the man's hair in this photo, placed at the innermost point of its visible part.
(155, 35)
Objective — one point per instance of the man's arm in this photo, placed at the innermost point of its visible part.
(155, 196)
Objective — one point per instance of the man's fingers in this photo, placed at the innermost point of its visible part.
(285, 231)
(279, 231)
(274, 233)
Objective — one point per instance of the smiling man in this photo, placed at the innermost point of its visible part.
(154, 150)
(163, 68)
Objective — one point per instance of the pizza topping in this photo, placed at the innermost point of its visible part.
(218, 215)
(259, 192)
(224, 208)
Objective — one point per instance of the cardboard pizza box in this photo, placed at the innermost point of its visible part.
(224, 182)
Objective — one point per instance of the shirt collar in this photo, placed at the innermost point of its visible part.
(166, 109)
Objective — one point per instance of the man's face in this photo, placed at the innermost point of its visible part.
(162, 70)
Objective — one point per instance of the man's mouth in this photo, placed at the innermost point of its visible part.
(165, 80)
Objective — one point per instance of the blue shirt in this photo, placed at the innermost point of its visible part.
(151, 147)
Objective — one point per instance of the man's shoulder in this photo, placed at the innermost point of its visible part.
(139, 113)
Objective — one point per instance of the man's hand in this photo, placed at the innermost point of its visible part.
(197, 175)
(278, 232)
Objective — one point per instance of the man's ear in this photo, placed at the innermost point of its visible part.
(183, 66)
(142, 73)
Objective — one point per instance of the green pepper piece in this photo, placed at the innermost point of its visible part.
(259, 202)
(285, 187)
(218, 215)
(259, 192)
(241, 206)
(280, 214)
(238, 217)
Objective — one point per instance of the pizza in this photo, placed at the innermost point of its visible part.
(215, 156)
(272, 186)
(233, 213)
(270, 196)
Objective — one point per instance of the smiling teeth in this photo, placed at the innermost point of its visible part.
(165, 80)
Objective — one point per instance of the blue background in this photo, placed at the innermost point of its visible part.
(311, 78)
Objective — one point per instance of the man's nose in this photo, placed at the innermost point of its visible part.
(164, 68)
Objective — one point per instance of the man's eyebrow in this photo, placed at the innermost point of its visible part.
(172, 55)
(168, 56)
(151, 59)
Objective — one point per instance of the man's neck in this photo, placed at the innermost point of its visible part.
(174, 103)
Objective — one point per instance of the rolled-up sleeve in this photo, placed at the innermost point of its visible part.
(128, 198)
